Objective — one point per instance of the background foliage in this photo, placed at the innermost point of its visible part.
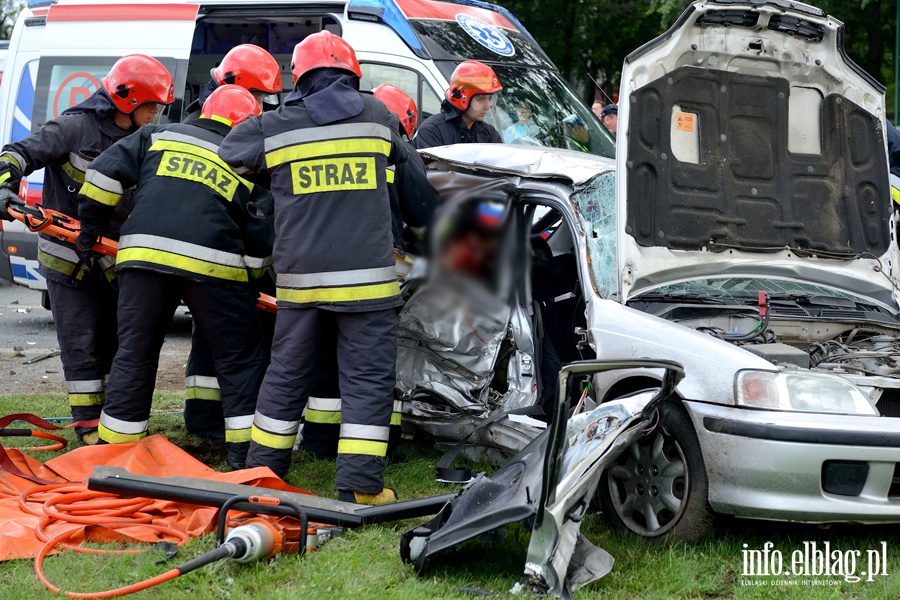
(590, 38)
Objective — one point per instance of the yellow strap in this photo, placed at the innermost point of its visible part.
(327, 148)
(239, 435)
(202, 393)
(94, 399)
(100, 195)
(185, 263)
(366, 447)
(340, 294)
(112, 437)
(272, 440)
(323, 416)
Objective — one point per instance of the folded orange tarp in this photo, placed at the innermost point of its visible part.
(153, 455)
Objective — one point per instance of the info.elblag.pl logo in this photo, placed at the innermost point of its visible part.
(813, 560)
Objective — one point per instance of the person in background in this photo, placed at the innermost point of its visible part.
(609, 116)
(326, 150)
(257, 71)
(80, 283)
(577, 135)
(246, 65)
(469, 99)
(523, 127)
(192, 224)
(597, 109)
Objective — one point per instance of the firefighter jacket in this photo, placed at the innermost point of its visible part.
(448, 127)
(333, 246)
(64, 147)
(413, 199)
(192, 215)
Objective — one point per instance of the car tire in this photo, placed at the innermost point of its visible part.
(657, 488)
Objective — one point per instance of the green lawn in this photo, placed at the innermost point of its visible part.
(365, 563)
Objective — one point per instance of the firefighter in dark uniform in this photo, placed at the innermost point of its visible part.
(469, 99)
(327, 149)
(413, 201)
(82, 293)
(257, 71)
(192, 224)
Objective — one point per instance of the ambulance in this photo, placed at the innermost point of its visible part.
(60, 50)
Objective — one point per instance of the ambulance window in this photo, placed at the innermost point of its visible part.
(63, 82)
(375, 74)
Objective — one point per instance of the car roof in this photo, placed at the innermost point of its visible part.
(524, 161)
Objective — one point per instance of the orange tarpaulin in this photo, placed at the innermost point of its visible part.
(153, 455)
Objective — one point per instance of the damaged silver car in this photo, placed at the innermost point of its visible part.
(745, 231)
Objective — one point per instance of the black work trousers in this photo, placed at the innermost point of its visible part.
(226, 316)
(366, 349)
(85, 319)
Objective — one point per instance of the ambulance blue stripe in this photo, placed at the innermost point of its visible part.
(21, 128)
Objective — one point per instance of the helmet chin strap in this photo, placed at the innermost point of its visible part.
(134, 125)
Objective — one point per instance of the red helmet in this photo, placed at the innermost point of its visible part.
(230, 104)
(471, 77)
(399, 103)
(323, 50)
(250, 67)
(137, 79)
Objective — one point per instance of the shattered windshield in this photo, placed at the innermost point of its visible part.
(537, 108)
(743, 288)
(595, 206)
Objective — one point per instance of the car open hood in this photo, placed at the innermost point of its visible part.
(749, 144)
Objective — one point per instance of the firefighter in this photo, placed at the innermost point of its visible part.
(254, 69)
(80, 286)
(246, 65)
(327, 149)
(469, 99)
(413, 201)
(192, 224)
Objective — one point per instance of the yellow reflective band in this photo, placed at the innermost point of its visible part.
(362, 447)
(272, 440)
(323, 416)
(185, 263)
(208, 155)
(5, 176)
(110, 436)
(389, 175)
(396, 418)
(60, 265)
(334, 175)
(327, 148)
(895, 194)
(202, 393)
(100, 195)
(239, 435)
(340, 294)
(228, 122)
(185, 166)
(74, 173)
(95, 399)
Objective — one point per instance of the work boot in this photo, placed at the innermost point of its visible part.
(90, 438)
(237, 455)
(385, 496)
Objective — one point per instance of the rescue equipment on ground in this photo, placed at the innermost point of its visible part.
(49, 222)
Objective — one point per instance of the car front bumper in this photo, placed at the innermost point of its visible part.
(806, 467)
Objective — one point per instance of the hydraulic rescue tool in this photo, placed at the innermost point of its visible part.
(49, 222)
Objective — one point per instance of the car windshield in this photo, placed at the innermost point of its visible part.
(742, 289)
(537, 108)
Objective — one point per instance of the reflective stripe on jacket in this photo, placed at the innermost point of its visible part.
(192, 215)
(333, 245)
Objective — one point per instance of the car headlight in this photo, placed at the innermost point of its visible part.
(818, 393)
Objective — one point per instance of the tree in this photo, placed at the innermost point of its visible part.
(9, 10)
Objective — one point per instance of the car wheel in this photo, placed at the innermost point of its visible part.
(658, 487)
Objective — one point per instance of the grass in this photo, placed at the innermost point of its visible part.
(365, 563)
